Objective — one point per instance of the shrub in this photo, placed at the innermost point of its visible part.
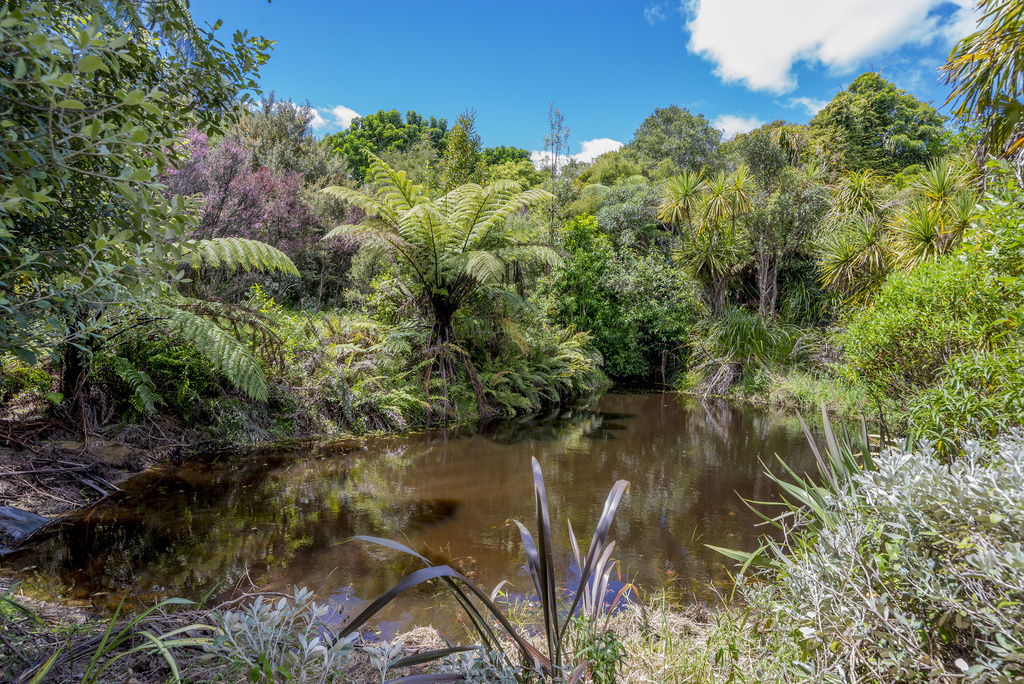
(911, 569)
(979, 397)
(919, 321)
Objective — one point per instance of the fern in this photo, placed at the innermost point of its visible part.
(236, 252)
(225, 352)
(144, 394)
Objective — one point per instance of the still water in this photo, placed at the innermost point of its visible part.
(274, 518)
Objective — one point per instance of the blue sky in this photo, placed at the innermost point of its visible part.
(605, 65)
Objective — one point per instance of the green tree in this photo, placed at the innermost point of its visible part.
(84, 224)
(383, 132)
(462, 162)
(610, 167)
(450, 249)
(638, 307)
(782, 213)
(874, 125)
(502, 154)
(689, 141)
(279, 135)
(522, 172)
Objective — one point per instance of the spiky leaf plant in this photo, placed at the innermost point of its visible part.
(595, 569)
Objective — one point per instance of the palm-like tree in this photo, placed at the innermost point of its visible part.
(933, 224)
(450, 248)
(985, 70)
(856, 192)
(682, 195)
(855, 259)
(705, 206)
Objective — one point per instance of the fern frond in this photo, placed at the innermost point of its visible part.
(370, 230)
(482, 266)
(235, 252)
(144, 395)
(531, 254)
(224, 351)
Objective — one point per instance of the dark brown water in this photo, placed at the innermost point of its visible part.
(277, 518)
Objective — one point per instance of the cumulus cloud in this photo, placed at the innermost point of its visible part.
(758, 43)
(590, 150)
(732, 124)
(333, 117)
(318, 121)
(811, 105)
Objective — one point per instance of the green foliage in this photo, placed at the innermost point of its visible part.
(451, 251)
(690, 142)
(602, 649)
(235, 252)
(462, 162)
(89, 662)
(383, 132)
(611, 167)
(984, 70)
(280, 136)
(978, 396)
(82, 218)
(638, 307)
(629, 211)
(736, 344)
(874, 125)
(495, 156)
(198, 325)
(918, 321)
(144, 396)
(522, 172)
(17, 377)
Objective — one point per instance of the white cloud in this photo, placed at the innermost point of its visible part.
(334, 117)
(591, 150)
(655, 14)
(318, 121)
(732, 124)
(812, 105)
(758, 43)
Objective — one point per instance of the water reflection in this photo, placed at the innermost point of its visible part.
(279, 518)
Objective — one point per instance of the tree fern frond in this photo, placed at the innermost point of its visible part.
(368, 203)
(398, 192)
(483, 266)
(235, 252)
(144, 395)
(531, 253)
(224, 351)
(370, 230)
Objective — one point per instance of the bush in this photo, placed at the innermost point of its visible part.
(920, 320)
(638, 307)
(979, 397)
(910, 571)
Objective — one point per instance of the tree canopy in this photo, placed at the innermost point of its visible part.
(383, 132)
(875, 125)
(83, 219)
(688, 140)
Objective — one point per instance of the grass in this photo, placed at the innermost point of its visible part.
(793, 389)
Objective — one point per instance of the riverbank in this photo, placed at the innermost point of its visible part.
(658, 640)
